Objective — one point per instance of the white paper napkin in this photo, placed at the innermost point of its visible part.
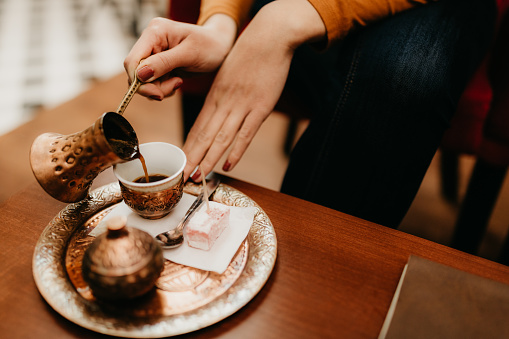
(216, 259)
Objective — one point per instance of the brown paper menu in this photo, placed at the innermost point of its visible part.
(436, 301)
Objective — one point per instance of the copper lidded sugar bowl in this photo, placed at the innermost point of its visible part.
(122, 263)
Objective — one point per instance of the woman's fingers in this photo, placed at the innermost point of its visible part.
(162, 63)
(214, 132)
(150, 42)
(166, 47)
(201, 135)
(222, 141)
(161, 88)
(246, 134)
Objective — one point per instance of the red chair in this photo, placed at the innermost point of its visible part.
(481, 128)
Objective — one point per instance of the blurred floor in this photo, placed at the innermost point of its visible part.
(432, 217)
(52, 50)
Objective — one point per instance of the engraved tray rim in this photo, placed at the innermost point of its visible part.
(53, 282)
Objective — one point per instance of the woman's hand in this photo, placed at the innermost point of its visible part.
(167, 49)
(249, 84)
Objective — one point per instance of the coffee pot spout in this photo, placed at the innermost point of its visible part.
(66, 165)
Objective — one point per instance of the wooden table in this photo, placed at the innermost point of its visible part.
(336, 283)
(334, 277)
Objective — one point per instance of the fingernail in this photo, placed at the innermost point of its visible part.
(178, 85)
(145, 73)
(226, 166)
(196, 176)
(155, 97)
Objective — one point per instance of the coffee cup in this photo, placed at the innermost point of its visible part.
(165, 167)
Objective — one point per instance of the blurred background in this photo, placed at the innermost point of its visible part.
(53, 50)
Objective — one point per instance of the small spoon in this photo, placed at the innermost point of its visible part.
(129, 95)
(175, 237)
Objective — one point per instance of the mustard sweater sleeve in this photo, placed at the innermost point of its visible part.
(237, 9)
(340, 16)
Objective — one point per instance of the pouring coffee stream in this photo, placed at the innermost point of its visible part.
(66, 165)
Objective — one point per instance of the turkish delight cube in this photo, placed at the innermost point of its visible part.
(205, 226)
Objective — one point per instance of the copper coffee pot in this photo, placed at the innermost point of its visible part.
(66, 165)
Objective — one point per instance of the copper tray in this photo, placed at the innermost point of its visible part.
(185, 300)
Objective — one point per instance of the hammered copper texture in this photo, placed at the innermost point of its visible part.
(157, 315)
(66, 165)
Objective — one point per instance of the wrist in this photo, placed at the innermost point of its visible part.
(224, 27)
(296, 21)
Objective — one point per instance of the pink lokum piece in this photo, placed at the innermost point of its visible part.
(205, 227)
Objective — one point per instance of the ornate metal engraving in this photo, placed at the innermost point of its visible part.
(153, 205)
(186, 299)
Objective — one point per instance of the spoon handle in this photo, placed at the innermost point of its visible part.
(129, 95)
(207, 191)
(190, 212)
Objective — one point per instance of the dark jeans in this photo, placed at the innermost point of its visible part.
(381, 101)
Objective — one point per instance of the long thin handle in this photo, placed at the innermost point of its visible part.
(129, 95)
(193, 207)
(197, 202)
